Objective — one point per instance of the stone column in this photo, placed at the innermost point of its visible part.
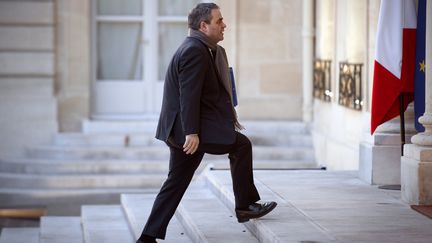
(380, 154)
(416, 171)
(308, 34)
(73, 81)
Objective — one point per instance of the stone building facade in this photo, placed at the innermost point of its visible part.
(57, 69)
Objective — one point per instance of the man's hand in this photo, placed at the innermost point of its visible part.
(191, 144)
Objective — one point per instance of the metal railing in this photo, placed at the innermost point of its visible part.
(322, 80)
(350, 85)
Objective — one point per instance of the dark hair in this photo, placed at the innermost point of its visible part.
(201, 12)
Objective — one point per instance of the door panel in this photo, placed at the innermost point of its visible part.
(133, 42)
(116, 7)
(111, 97)
(119, 51)
(170, 37)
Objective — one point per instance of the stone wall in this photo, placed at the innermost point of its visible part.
(266, 41)
(345, 32)
(27, 105)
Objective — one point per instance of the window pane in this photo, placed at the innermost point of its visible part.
(119, 7)
(171, 35)
(176, 7)
(119, 51)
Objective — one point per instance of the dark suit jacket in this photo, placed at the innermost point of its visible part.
(195, 100)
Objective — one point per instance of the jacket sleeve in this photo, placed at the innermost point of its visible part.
(193, 65)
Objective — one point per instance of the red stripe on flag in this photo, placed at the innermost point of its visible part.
(385, 92)
(387, 87)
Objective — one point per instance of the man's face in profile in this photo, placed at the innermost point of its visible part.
(215, 30)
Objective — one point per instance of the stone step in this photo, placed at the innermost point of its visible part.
(19, 235)
(269, 165)
(137, 208)
(274, 127)
(285, 224)
(142, 126)
(282, 153)
(149, 125)
(57, 200)
(28, 181)
(116, 139)
(206, 219)
(17, 12)
(280, 139)
(62, 167)
(98, 153)
(142, 139)
(158, 153)
(61, 229)
(105, 224)
(65, 167)
(26, 38)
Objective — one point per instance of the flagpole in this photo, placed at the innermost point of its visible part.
(402, 121)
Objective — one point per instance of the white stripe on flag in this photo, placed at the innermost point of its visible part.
(389, 36)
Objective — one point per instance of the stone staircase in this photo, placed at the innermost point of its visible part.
(205, 214)
(110, 158)
(313, 206)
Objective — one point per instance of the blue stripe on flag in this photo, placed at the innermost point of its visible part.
(419, 75)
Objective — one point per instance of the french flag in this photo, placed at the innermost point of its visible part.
(394, 60)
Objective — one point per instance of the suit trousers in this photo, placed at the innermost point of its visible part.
(181, 170)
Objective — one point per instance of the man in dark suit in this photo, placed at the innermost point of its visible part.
(198, 117)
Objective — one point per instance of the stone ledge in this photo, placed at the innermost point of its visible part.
(61, 229)
(105, 223)
(420, 153)
(206, 219)
(17, 12)
(273, 227)
(26, 64)
(27, 38)
(137, 208)
(19, 235)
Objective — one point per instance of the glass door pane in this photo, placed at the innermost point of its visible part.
(119, 51)
(176, 7)
(119, 7)
(171, 35)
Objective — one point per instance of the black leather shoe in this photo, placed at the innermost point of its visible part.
(146, 240)
(255, 210)
(154, 241)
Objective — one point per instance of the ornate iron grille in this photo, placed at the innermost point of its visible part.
(350, 85)
(322, 80)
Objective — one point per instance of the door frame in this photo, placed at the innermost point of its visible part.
(129, 99)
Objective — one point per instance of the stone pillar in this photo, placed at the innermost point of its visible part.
(380, 154)
(308, 34)
(416, 171)
(72, 40)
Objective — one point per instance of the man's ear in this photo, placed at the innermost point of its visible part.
(203, 26)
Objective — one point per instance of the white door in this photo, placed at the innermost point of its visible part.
(133, 42)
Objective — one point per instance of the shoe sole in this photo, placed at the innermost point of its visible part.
(257, 216)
